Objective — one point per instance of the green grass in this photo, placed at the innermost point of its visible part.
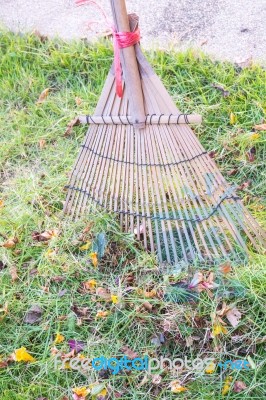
(32, 181)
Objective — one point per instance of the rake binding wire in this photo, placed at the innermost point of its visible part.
(141, 160)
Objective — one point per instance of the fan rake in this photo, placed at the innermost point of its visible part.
(141, 160)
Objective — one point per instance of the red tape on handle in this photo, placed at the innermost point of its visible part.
(121, 41)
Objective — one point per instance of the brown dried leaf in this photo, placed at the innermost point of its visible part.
(42, 38)
(33, 315)
(43, 96)
(78, 101)
(148, 306)
(233, 316)
(224, 92)
(42, 143)
(225, 268)
(10, 243)
(74, 122)
(261, 127)
(129, 353)
(45, 236)
(232, 172)
(239, 386)
(103, 294)
(3, 311)
(14, 273)
(251, 154)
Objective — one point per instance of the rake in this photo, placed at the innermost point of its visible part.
(141, 160)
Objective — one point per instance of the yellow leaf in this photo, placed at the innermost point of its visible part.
(81, 391)
(102, 314)
(114, 299)
(1, 203)
(94, 259)
(51, 253)
(176, 387)
(22, 355)
(150, 294)
(218, 329)
(91, 284)
(43, 96)
(210, 368)
(59, 338)
(85, 246)
(227, 385)
(232, 118)
(254, 136)
(103, 393)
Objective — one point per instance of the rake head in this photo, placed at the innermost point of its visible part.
(159, 180)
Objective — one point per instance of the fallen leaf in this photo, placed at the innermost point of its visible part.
(10, 243)
(76, 345)
(78, 101)
(22, 355)
(225, 92)
(218, 329)
(103, 293)
(150, 294)
(232, 172)
(80, 393)
(58, 279)
(14, 273)
(243, 186)
(225, 268)
(129, 353)
(233, 316)
(177, 388)
(227, 385)
(251, 154)
(85, 246)
(1, 203)
(114, 299)
(80, 311)
(59, 338)
(42, 143)
(102, 314)
(94, 259)
(210, 369)
(254, 136)
(212, 154)
(148, 306)
(42, 38)
(90, 285)
(51, 254)
(43, 96)
(239, 386)
(33, 315)
(45, 236)
(74, 122)
(261, 127)
(3, 311)
(156, 379)
(232, 118)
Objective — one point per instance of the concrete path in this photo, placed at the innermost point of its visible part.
(226, 29)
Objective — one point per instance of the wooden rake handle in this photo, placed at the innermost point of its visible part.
(129, 66)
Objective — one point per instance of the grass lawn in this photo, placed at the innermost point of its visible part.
(149, 313)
